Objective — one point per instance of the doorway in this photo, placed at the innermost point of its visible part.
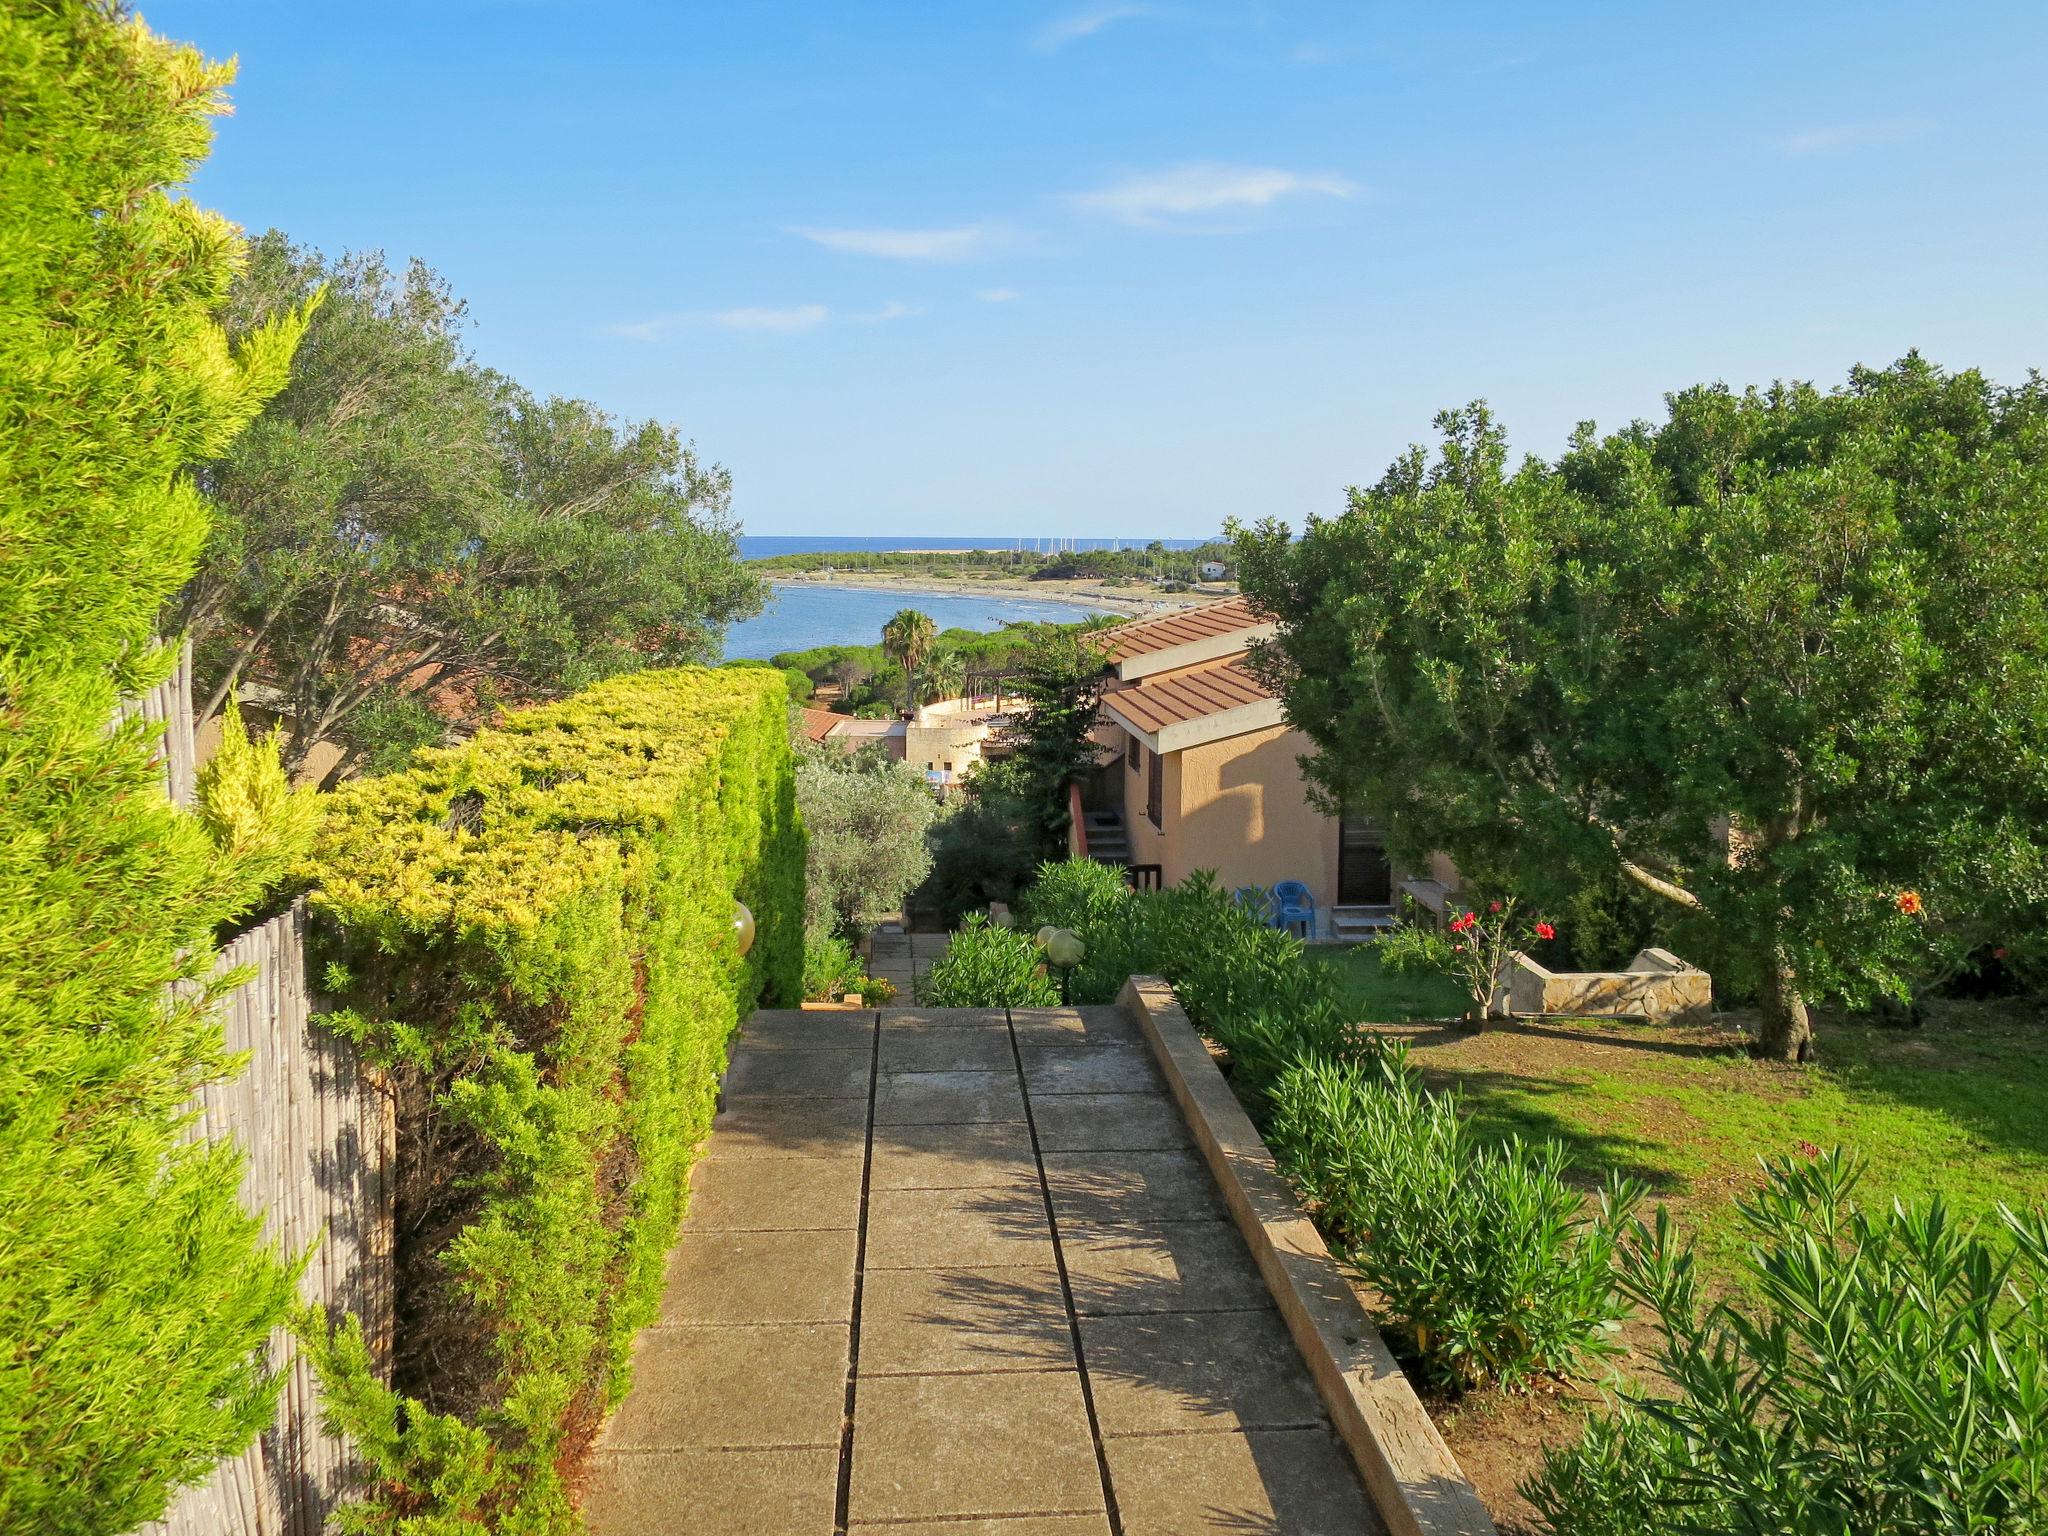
(1365, 878)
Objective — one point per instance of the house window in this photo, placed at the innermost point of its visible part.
(949, 767)
(1155, 791)
(1132, 753)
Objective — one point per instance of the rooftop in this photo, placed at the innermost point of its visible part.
(1198, 694)
(1186, 626)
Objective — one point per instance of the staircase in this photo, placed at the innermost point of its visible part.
(1354, 925)
(1109, 842)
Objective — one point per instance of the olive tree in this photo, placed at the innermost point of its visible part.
(1780, 660)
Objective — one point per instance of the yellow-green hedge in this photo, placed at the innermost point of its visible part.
(533, 933)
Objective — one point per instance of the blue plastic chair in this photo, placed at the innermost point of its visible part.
(1294, 904)
(1258, 901)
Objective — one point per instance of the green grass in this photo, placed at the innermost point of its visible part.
(1383, 999)
(1959, 1109)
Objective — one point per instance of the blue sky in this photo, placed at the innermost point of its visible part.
(1131, 268)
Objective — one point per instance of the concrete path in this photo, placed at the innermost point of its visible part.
(900, 958)
(958, 1273)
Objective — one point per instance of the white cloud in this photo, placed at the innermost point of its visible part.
(799, 317)
(997, 295)
(1074, 26)
(1839, 138)
(895, 309)
(789, 321)
(906, 244)
(1162, 197)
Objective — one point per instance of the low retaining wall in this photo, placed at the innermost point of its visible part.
(1656, 985)
(1408, 1470)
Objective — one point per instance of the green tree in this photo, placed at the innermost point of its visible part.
(944, 676)
(867, 818)
(1781, 661)
(1047, 740)
(407, 541)
(135, 1294)
(907, 640)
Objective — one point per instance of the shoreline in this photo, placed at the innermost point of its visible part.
(1079, 593)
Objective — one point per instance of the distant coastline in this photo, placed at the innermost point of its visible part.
(1086, 593)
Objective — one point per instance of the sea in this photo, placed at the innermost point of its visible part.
(799, 617)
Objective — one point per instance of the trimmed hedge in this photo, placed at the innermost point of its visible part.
(135, 1294)
(532, 933)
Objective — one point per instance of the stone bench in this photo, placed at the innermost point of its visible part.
(1656, 985)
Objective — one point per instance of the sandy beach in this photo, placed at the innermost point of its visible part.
(1091, 593)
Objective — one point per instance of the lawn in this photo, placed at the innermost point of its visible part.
(1958, 1108)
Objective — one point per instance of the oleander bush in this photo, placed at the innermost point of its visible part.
(1245, 985)
(1884, 1374)
(1490, 1267)
(135, 1294)
(987, 967)
(532, 934)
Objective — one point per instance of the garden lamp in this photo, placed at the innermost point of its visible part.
(1063, 951)
(743, 927)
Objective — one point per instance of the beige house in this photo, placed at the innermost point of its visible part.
(1206, 775)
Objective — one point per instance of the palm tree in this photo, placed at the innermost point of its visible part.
(944, 676)
(907, 640)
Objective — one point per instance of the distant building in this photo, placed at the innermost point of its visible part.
(1214, 570)
(1204, 776)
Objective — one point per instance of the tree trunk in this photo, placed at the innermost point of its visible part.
(1785, 1031)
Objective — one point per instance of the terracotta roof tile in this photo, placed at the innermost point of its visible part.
(818, 723)
(1185, 696)
(1140, 637)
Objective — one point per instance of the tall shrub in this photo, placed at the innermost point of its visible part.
(134, 1294)
(533, 934)
(1888, 1378)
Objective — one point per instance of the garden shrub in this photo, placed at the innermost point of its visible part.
(831, 969)
(1415, 949)
(532, 934)
(1490, 1266)
(987, 967)
(1889, 1378)
(136, 1296)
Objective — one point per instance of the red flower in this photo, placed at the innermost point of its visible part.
(1998, 953)
(1493, 906)
(1462, 924)
(1809, 1149)
(1909, 903)
(1545, 931)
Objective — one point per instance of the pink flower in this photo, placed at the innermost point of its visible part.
(1998, 953)
(1493, 906)
(1545, 931)
(1809, 1149)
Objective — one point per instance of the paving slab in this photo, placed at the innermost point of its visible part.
(1111, 1069)
(760, 1277)
(997, 1152)
(1181, 1372)
(947, 1098)
(1297, 1481)
(1105, 1187)
(777, 1125)
(808, 1074)
(1012, 1444)
(1108, 1025)
(931, 1320)
(1109, 1122)
(906, 1020)
(766, 1381)
(774, 1194)
(948, 1050)
(959, 1228)
(812, 1029)
(1021, 1525)
(1122, 1267)
(713, 1493)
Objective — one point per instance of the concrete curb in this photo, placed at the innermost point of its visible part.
(1407, 1468)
